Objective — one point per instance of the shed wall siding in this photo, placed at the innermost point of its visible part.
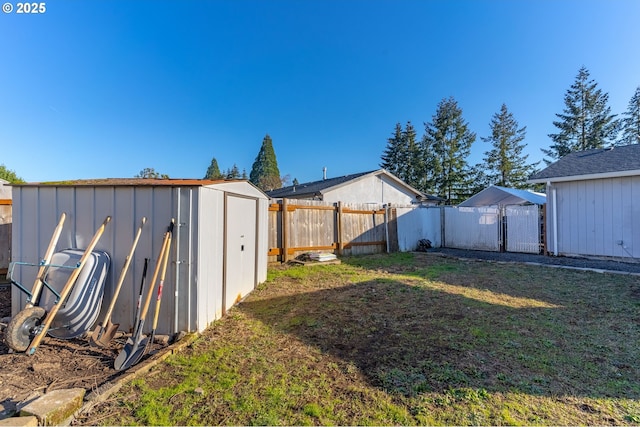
(86, 208)
(370, 189)
(594, 216)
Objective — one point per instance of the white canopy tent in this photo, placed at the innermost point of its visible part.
(503, 196)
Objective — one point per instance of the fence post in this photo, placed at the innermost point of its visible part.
(285, 231)
(386, 224)
(339, 228)
(443, 218)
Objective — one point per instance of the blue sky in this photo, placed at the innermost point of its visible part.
(105, 88)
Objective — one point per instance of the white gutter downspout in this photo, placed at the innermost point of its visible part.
(177, 280)
(555, 218)
(190, 261)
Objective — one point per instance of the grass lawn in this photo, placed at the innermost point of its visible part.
(406, 339)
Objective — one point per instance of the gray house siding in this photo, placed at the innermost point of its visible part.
(598, 217)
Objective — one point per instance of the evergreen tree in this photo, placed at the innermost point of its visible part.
(151, 173)
(446, 145)
(394, 153)
(505, 164)
(295, 181)
(402, 155)
(586, 121)
(9, 175)
(233, 173)
(244, 174)
(631, 123)
(213, 171)
(264, 172)
(412, 171)
(478, 180)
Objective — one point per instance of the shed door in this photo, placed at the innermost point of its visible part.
(240, 248)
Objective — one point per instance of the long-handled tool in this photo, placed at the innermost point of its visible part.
(44, 264)
(105, 331)
(135, 345)
(44, 327)
(19, 330)
(139, 302)
(160, 286)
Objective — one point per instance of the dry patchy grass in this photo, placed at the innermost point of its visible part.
(406, 339)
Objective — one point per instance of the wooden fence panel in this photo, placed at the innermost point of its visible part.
(298, 226)
(5, 234)
(363, 229)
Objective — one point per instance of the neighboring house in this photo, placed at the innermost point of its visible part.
(593, 202)
(375, 187)
(503, 196)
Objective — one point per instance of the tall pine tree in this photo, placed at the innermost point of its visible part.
(413, 159)
(264, 172)
(213, 171)
(631, 123)
(233, 173)
(402, 155)
(394, 152)
(446, 145)
(505, 164)
(586, 121)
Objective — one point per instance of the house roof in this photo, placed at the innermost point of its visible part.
(592, 164)
(502, 196)
(311, 189)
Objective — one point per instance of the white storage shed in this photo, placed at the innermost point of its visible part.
(218, 252)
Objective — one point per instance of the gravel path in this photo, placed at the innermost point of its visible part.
(571, 262)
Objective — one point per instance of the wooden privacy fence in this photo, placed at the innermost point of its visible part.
(298, 226)
(5, 234)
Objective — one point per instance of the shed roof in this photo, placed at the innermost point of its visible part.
(233, 185)
(502, 196)
(125, 182)
(592, 164)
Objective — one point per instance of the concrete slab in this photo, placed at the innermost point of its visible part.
(29, 421)
(55, 407)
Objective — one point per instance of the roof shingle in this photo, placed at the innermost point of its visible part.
(593, 162)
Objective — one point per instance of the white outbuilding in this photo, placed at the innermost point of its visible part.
(593, 208)
(218, 252)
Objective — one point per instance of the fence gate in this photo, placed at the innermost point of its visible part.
(472, 228)
(523, 229)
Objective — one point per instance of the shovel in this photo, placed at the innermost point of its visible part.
(135, 345)
(66, 290)
(139, 302)
(105, 331)
(160, 286)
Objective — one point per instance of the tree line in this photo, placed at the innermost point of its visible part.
(437, 163)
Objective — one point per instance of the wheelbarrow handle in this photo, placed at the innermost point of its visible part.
(44, 327)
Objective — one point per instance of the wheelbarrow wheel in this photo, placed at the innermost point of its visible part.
(22, 328)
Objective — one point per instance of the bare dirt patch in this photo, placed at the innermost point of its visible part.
(57, 364)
